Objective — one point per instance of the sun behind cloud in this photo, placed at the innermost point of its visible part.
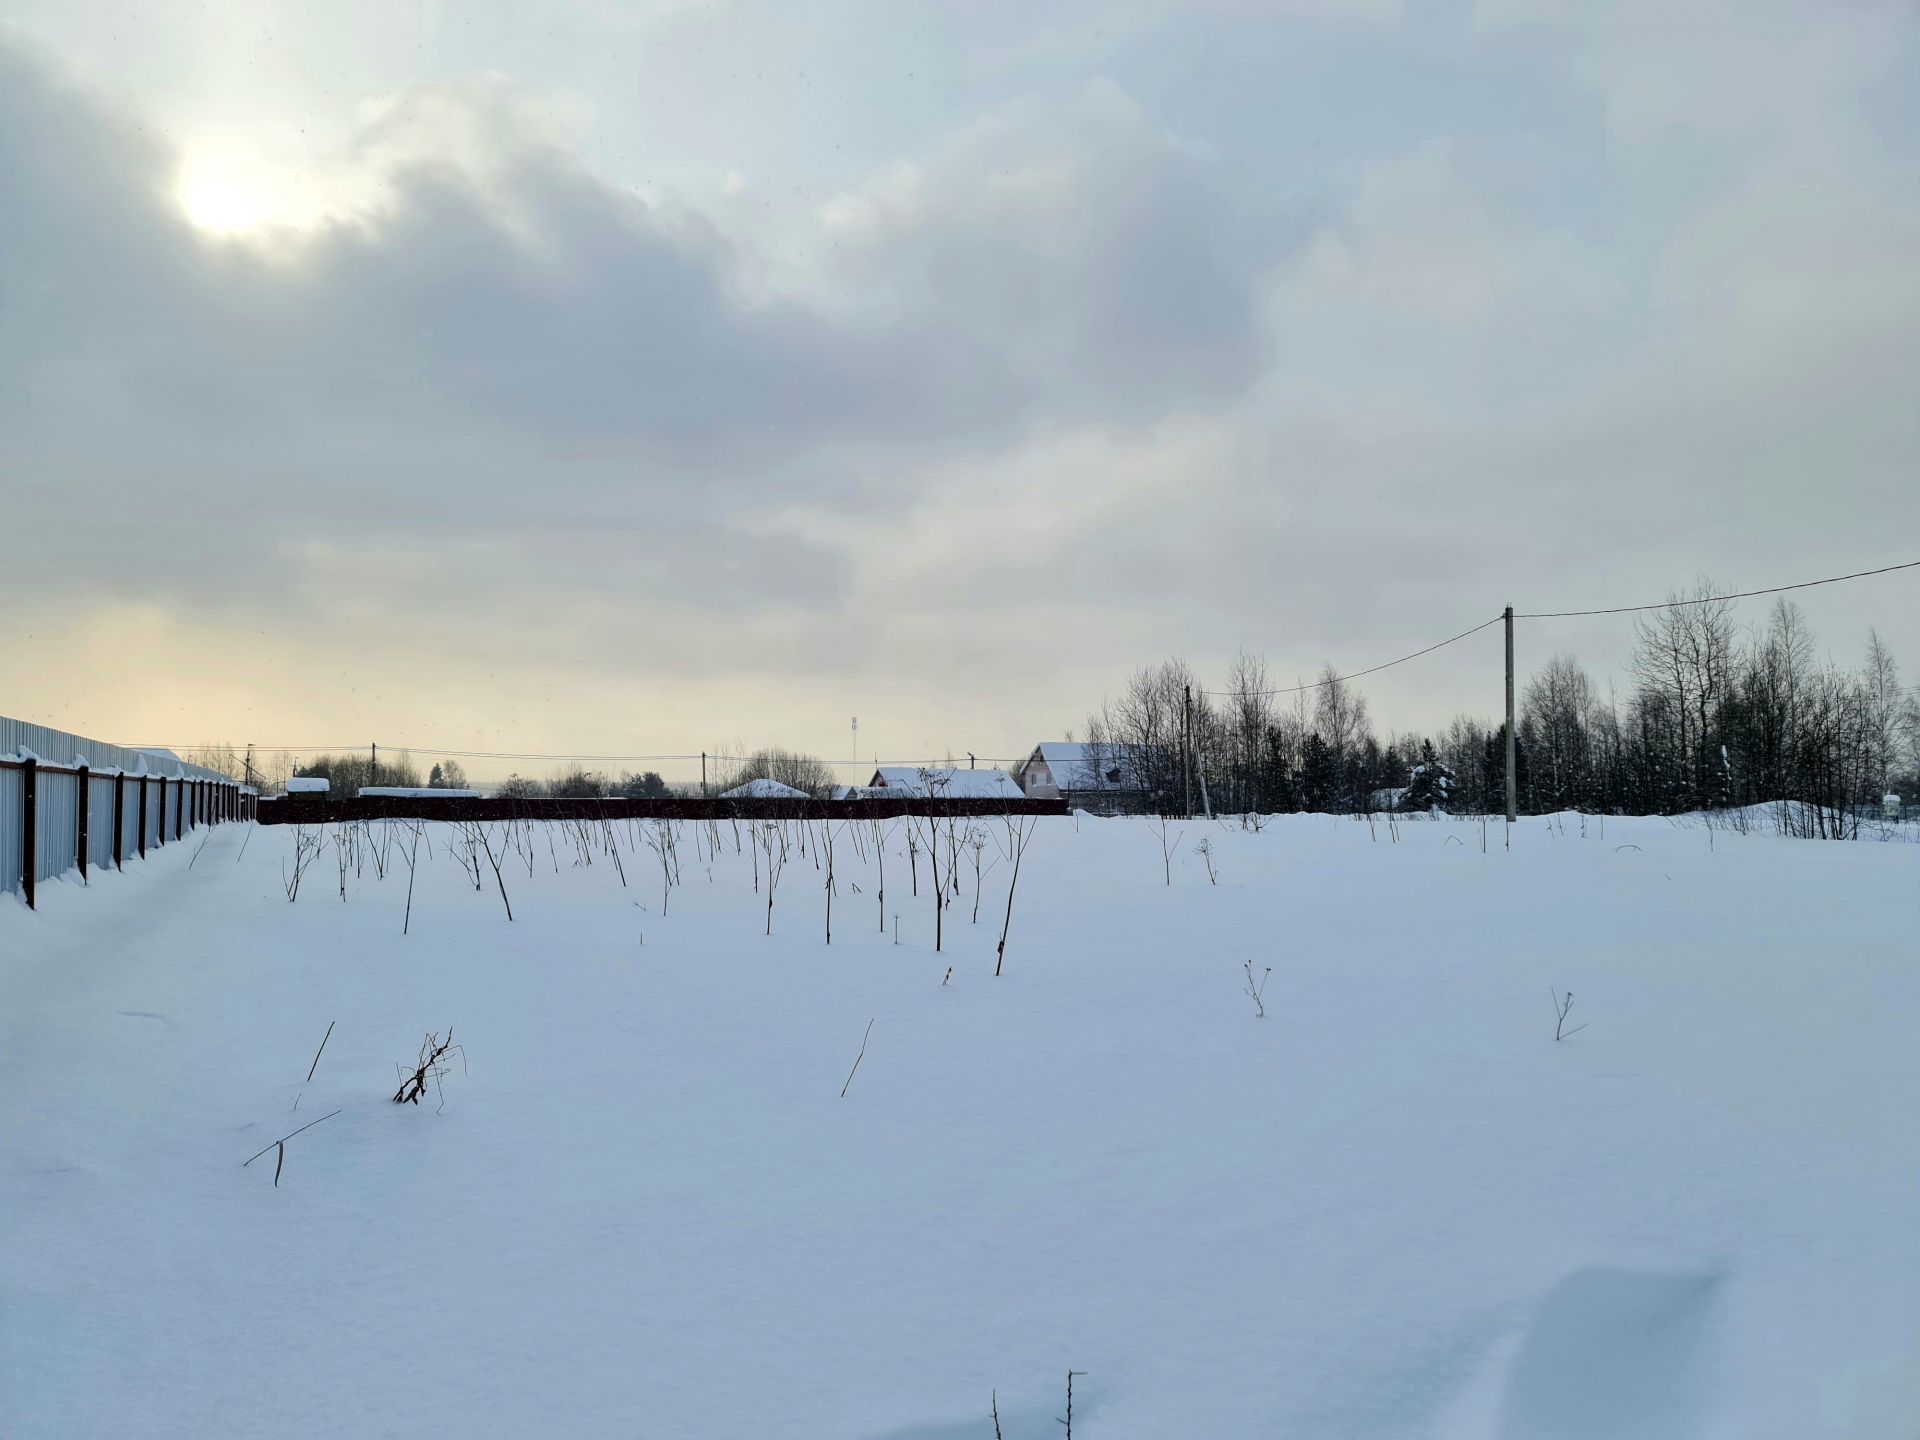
(227, 188)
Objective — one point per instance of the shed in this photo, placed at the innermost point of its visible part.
(309, 785)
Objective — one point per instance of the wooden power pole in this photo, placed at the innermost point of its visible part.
(1513, 813)
(1186, 747)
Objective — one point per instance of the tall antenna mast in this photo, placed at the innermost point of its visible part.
(856, 751)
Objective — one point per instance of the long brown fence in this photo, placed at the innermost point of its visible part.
(323, 810)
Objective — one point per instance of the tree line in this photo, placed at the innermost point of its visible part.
(1712, 718)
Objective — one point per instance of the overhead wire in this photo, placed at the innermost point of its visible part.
(1011, 760)
(1371, 670)
(1572, 614)
(1710, 599)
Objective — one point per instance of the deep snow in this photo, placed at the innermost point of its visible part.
(1393, 1207)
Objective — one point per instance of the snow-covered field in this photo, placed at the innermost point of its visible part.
(1395, 1206)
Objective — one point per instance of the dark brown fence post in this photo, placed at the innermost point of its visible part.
(179, 808)
(142, 837)
(85, 782)
(29, 797)
(119, 819)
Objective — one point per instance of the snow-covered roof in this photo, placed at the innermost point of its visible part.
(945, 784)
(309, 785)
(763, 789)
(1078, 766)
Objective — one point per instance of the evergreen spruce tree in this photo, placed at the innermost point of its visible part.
(1431, 784)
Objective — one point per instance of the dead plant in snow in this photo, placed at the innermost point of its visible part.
(660, 841)
(1205, 851)
(431, 1065)
(1019, 832)
(306, 848)
(1257, 991)
(770, 833)
(1561, 1005)
(484, 835)
(1169, 843)
(977, 843)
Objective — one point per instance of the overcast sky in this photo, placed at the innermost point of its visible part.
(637, 377)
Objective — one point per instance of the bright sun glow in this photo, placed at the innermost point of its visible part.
(217, 204)
(225, 189)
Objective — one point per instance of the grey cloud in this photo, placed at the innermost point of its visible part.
(1074, 252)
(512, 339)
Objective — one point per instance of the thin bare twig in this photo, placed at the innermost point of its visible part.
(1068, 1422)
(857, 1059)
(323, 1045)
(284, 1138)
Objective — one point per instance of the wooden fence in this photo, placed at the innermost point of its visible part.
(322, 810)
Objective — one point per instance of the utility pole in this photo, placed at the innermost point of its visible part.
(1186, 747)
(969, 759)
(373, 771)
(1512, 788)
(703, 774)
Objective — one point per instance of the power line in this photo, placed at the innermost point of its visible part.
(1372, 670)
(1709, 599)
(1014, 760)
(1570, 614)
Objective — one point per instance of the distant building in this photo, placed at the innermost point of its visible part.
(1106, 779)
(764, 789)
(941, 784)
(309, 785)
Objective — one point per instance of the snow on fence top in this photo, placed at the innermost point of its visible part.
(414, 792)
(23, 741)
(55, 818)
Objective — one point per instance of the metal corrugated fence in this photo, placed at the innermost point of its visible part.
(12, 786)
(58, 810)
(99, 822)
(57, 824)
